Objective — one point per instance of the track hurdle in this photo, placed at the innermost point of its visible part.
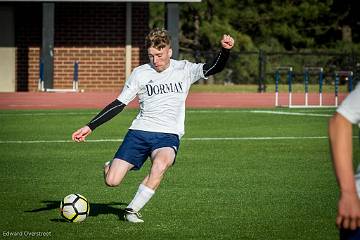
(289, 71)
(75, 83)
(320, 72)
(349, 77)
(307, 72)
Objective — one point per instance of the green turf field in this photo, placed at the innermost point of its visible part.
(239, 174)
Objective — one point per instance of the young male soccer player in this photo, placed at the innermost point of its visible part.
(340, 133)
(162, 87)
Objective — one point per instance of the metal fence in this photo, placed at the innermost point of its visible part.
(259, 67)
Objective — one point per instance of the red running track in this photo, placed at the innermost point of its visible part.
(91, 100)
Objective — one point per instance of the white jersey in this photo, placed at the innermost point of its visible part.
(161, 95)
(350, 109)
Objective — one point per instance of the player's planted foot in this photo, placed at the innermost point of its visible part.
(132, 216)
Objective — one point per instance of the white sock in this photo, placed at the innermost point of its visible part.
(141, 187)
(142, 196)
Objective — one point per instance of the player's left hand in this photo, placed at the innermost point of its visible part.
(348, 211)
(227, 42)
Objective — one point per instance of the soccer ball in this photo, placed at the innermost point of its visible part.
(74, 208)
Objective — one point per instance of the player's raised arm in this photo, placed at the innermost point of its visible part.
(105, 115)
(218, 64)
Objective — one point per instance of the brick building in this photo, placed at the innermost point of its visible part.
(92, 33)
(106, 38)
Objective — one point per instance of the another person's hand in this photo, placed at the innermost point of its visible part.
(80, 134)
(227, 42)
(348, 216)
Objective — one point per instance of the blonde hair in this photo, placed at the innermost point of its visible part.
(158, 38)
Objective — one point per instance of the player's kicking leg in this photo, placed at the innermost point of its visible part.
(115, 171)
(162, 159)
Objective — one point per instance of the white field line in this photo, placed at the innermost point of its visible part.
(58, 141)
(292, 113)
(48, 113)
(300, 112)
(94, 113)
(183, 139)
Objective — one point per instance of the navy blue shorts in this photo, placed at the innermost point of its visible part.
(138, 146)
(347, 234)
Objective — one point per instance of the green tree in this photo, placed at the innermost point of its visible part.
(278, 25)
